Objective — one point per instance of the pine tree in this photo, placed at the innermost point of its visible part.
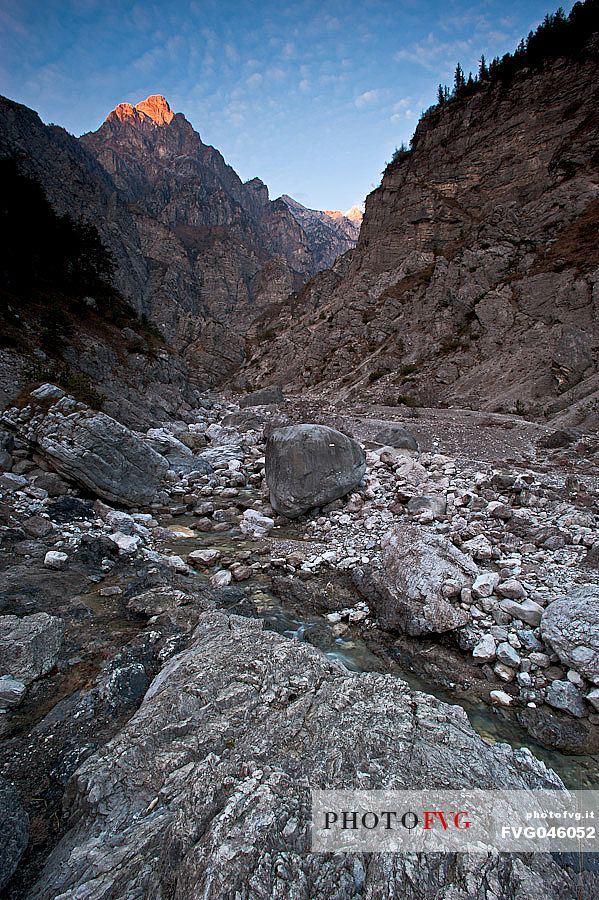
(483, 71)
(441, 95)
(459, 82)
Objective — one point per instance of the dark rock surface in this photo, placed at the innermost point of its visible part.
(393, 435)
(14, 831)
(29, 646)
(262, 397)
(213, 790)
(310, 465)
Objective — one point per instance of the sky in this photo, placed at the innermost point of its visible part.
(312, 97)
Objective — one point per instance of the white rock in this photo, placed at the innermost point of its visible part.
(485, 649)
(501, 698)
(221, 579)
(479, 548)
(127, 543)
(593, 698)
(54, 559)
(485, 584)
(203, 557)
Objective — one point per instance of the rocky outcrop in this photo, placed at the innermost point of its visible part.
(309, 466)
(570, 625)
(91, 449)
(421, 572)
(475, 276)
(206, 790)
(29, 646)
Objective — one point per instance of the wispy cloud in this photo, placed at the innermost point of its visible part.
(433, 54)
(367, 98)
(403, 111)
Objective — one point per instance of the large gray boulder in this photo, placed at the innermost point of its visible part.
(29, 646)
(263, 397)
(309, 466)
(210, 793)
(394, 435)
(570, 625)
(93, 450)
(419, 571)
(14, 831)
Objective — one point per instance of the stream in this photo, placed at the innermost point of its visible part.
(492, 725)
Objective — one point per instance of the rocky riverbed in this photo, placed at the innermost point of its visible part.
(143, 574)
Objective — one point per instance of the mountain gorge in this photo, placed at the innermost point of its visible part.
(197, 252)
(293, 501)
(474, 282)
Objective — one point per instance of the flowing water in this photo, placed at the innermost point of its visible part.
(493, 726)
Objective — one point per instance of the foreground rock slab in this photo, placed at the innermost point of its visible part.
(93, 450)
(309, 466)
(206, 790)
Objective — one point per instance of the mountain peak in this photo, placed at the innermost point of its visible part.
(154, 107)
(354, 214)
(157, 108)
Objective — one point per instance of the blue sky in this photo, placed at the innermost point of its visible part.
(310, 96)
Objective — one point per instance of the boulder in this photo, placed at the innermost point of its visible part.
(51, 483)
(244, 420)
(565, 696)
(528, 611)
(55, 559)
(14, 828)
(570, 626)
(29, 646)
(96, 451)
(179, 456)
(511, 589)
(47, 392)
(507, 655)
(202, 558)
(392, 435)
(435, 505)
(485, 649)
(263, 397)
(255, 524)
(407, 593)
(309, 466)
(12, 691)
(211, 793)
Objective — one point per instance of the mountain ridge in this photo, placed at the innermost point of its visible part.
(196, 250)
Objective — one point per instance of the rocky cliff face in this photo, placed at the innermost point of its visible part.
(77, 184)
(330, 233)
(217, 251)
(474, 281)
(196, 250)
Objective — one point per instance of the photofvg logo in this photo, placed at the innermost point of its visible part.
(455, 821)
